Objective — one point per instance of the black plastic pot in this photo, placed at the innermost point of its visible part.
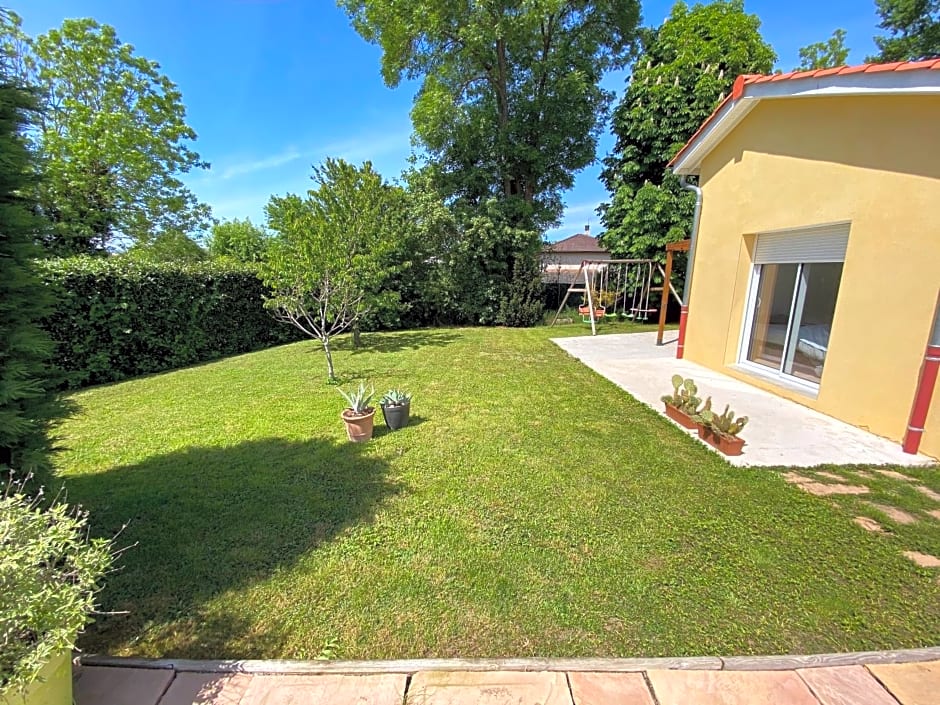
(397, 416)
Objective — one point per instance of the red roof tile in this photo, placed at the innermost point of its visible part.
(577, 243)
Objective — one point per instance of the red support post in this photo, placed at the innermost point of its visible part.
(925, 386)
(683, 317)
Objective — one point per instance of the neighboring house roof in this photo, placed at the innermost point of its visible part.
(899, 78)
(576, 243)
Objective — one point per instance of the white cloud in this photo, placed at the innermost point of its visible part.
(251, 167)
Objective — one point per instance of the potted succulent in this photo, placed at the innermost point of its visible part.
(51, 574)
(359, 416)
(721, 430)
(396, 408)
(682, 406)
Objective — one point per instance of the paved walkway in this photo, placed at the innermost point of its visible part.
(780, 432)
(886, 678)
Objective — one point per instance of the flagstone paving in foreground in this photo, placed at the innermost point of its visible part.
(777, 681)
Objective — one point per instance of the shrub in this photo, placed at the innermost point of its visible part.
(49, 573)
(118, 317)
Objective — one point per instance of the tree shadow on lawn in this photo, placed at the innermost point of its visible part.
(203, 521)
(398, 341)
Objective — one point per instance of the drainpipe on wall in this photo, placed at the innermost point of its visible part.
(925, 387)
(687, 287)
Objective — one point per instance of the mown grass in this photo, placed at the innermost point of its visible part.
(532, 508)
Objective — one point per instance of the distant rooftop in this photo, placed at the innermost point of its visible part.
(581, 242)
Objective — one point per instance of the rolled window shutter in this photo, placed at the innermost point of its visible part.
(824, 243)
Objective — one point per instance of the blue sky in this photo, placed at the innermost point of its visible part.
(274, 86)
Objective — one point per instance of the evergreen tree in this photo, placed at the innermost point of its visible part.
(26, 405)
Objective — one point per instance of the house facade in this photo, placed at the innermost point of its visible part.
(817, 258)
(561, 260)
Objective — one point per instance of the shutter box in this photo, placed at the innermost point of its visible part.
(821, 243)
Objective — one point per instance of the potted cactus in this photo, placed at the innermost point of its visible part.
(721, 430)
(396, 408)
(51, 575)
(359, 416)
(682, 406)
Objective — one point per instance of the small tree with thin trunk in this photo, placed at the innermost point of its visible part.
(329, 250)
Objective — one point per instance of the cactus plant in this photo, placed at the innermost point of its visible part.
(724, 424)
(684, 395)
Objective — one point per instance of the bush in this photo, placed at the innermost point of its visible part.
(117, 318)
(50, 575)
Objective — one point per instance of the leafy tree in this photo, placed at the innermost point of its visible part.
(112, 139)
(330, 250)
(172, 246)
(27, 406)
(510, 106)
(238, 240)
(686, 68)
(913, 28)
(825, 55)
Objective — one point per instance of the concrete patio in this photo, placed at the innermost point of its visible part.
(876, 678)
(780, 432)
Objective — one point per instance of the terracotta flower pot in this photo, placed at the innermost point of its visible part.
(680, 417)
(729, 445)
(359, 426)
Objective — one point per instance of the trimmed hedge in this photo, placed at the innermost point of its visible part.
(116, 318)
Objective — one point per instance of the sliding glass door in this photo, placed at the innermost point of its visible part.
(791, 317)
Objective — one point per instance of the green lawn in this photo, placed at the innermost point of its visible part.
(532, 508)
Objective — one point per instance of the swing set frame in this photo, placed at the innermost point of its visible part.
(584, 280)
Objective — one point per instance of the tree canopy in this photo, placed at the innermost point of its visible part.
(238, 240)
(330, 250)
(112, 139)
(687, 66)
(510, 104)
(825, 55)
(913, 28)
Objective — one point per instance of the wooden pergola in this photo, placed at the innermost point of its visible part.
(671, 249)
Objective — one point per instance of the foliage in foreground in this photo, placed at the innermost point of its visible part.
(26, 407)
(50, 574)
(119, 317)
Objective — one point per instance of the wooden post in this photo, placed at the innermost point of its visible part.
(671, 249)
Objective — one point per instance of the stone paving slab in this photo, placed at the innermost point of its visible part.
(121, 686)
(845, 685)
(730, 688)
(780, 432)
(204, 688)
(609, 689)
(488, 688)
(386, 689)
(911, 683)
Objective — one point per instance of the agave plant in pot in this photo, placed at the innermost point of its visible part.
(51, 572)
(396, 408)
(721, 430)
(359, 416)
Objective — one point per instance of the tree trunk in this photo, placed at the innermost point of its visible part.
(331, 375)
(356, 336)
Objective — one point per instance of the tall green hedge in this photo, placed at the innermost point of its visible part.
(117, 318)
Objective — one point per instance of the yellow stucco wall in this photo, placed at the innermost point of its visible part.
(793, 163)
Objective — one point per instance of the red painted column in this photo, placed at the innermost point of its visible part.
(925, 386)
(683, 317)
(922, 398)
